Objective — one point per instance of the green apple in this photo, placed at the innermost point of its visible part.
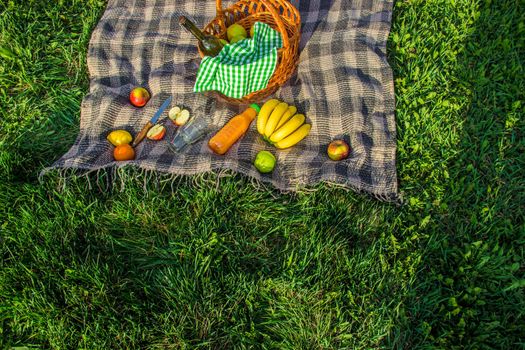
(237, 38)
(236, 30)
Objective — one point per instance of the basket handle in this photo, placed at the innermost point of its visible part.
(273, 12)
(218, 6)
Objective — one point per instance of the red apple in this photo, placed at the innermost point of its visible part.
(139, 96)
(338, 149)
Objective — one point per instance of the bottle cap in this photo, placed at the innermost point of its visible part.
(256, 107)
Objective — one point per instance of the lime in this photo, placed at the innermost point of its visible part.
(264, 162)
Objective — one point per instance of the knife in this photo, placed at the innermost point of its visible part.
(151, 122)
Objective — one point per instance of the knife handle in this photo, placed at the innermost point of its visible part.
(142, 134)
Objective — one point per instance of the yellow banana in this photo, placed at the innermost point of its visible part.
(295, 137)
(289, 127)
(274, 118)
(262, 118)
(287, 115)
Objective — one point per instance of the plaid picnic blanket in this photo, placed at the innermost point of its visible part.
(243, 67)
(343, 85)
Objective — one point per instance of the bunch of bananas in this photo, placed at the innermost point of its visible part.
(279, 125)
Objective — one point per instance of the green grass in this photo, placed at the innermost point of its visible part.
(230, 266)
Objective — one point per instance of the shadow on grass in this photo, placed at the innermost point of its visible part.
(460, 82)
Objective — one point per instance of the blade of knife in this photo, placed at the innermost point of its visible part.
(161, 110)
(140, 136)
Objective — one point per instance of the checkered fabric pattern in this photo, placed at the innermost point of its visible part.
(343, 85)
(243, 67)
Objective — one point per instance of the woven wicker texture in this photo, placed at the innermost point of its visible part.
(281, 16)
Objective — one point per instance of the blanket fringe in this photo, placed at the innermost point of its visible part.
(110, 179)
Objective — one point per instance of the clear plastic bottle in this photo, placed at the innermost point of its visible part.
(233, 130)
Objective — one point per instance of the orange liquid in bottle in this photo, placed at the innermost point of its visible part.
(233, 130)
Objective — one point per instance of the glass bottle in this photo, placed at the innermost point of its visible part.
(208, 44)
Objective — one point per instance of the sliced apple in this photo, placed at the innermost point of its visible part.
(182, 117)
(156, 132)
(179, 116)
(173, 113)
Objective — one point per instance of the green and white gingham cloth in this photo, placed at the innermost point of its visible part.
(243, 67)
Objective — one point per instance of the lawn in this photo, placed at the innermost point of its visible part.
(192, 264)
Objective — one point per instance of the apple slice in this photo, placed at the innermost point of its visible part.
(179, 116)
(182, 117)
(156, 132)
(173, 113)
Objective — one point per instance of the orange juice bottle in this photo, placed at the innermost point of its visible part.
(232, 131)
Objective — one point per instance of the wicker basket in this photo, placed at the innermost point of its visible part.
(281, 16)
